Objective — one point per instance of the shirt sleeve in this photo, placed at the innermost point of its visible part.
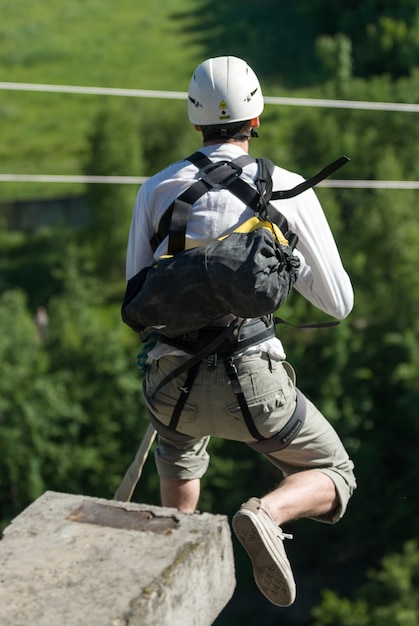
(139, 250)
(322, 279)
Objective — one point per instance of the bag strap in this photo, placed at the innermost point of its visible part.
(266, 210)
(198, 357)
(312, 181)
(226, 175)
(185, 390)
(220, 175)
(231, 371)
(329, 324)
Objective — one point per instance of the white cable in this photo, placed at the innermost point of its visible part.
(345, 104)
(181, 95)
(370, 184)
(46, 178)
(104, 91)
(138, 180)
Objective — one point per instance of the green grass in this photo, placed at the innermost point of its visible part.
(92, 42)
(137, 44)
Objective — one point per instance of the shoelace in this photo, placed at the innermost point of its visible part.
(279, 532)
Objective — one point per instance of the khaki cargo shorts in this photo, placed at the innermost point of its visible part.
(212, 410)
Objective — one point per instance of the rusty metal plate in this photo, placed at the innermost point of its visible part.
(118, 517)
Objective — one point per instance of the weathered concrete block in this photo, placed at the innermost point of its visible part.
(71, 559)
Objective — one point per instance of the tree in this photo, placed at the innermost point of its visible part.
(71, 413)
(30, 406)
(114, 150)
(336, 56)
(384, 35)
(390, 598)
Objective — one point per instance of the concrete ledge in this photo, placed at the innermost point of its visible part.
(71, 559)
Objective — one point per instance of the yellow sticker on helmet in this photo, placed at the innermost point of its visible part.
(223, 109)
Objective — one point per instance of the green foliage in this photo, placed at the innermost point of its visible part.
(89, 43)
(263, 33)
(70, 406)
(114, 151)
(21, 400)
(390, 598)
(370, 391)
(336, 56)
(166, 134)
(71, 411)
(138, 46)
(384, 34)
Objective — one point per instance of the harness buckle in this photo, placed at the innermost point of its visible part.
(204, 174)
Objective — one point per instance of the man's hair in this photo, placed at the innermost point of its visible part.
(236, 130)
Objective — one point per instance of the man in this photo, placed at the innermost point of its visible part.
(225, 102)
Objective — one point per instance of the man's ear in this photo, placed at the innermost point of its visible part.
(255, 122)
(198, 128)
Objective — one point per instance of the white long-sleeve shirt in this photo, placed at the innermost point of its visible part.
(322, 279)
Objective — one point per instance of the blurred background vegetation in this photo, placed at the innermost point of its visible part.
(71, 413)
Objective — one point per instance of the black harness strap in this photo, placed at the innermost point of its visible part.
(279, 320)
(198, 341)
(265, 209)
(180, 214)
(219, 175)
(185, 391)
(291, 429)
(197, 358)
(232, 182)
(226, 348)
(257, 199)
(231, 371)
(312, 181)
(167, 432)
(226, 175)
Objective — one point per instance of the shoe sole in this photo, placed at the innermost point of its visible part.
(271, 571)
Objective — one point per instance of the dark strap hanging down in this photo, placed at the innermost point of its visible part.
(184, 394)
(231, 371)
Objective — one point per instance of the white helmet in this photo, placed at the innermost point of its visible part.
(224, 90)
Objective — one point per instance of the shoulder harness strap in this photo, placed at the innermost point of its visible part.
(220, 175)
(226, 175)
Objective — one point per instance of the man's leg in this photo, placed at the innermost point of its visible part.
(176, 459)
(314, 493)
(180, 494)
(309, 493)
(305, 494)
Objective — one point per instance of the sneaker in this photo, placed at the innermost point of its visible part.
(263, 541)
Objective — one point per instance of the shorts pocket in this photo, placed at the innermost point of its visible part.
(269, 394)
